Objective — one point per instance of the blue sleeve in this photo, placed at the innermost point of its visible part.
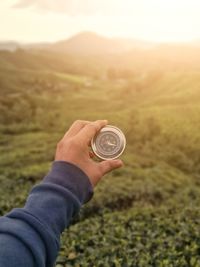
(30, 236)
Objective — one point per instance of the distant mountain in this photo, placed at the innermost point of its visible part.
(9, 46)
(84, 43)
(92, 43)
(36, 46)
(89, 43)
(164, 57)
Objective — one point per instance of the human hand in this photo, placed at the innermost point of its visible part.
(74, 148)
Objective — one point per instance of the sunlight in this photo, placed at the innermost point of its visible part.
(154, 20)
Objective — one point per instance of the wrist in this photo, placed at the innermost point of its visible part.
(70, 176)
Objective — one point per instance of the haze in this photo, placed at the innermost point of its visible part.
(50, 20)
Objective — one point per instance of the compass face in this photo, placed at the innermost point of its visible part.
(109, 143)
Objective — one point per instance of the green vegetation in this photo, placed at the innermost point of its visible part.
(151, 216)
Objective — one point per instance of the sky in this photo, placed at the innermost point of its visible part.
(52, 20)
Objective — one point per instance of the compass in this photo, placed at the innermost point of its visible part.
(109, 143)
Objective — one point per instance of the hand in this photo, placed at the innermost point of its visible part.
(74, 148)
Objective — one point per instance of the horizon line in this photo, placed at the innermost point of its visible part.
(26, 42)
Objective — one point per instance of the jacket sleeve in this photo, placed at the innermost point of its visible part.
(30, 236)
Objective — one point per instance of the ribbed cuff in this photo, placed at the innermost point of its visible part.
(72, 178)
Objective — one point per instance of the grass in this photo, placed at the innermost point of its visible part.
(151, 215)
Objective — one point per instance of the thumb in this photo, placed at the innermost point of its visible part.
(109, 165)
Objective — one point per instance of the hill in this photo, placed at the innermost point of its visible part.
(84, 43)
(104, 58)
(9, 46)
(88, 43)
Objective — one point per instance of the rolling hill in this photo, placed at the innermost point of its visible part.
(9, 46)
(89, 43)
(84, 43)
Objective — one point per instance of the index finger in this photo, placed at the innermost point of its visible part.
(90, 130)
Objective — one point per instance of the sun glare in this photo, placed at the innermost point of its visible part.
(154, 20)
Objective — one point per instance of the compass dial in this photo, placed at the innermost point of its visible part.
(109, 143)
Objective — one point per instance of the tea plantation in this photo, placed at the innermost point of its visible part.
(146, 214)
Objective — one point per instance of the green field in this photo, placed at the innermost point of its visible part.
(151, 215)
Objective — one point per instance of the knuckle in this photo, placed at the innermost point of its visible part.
(71, 143)
(75, 123)
(93, 127)
(78, 122)
(60, 144)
